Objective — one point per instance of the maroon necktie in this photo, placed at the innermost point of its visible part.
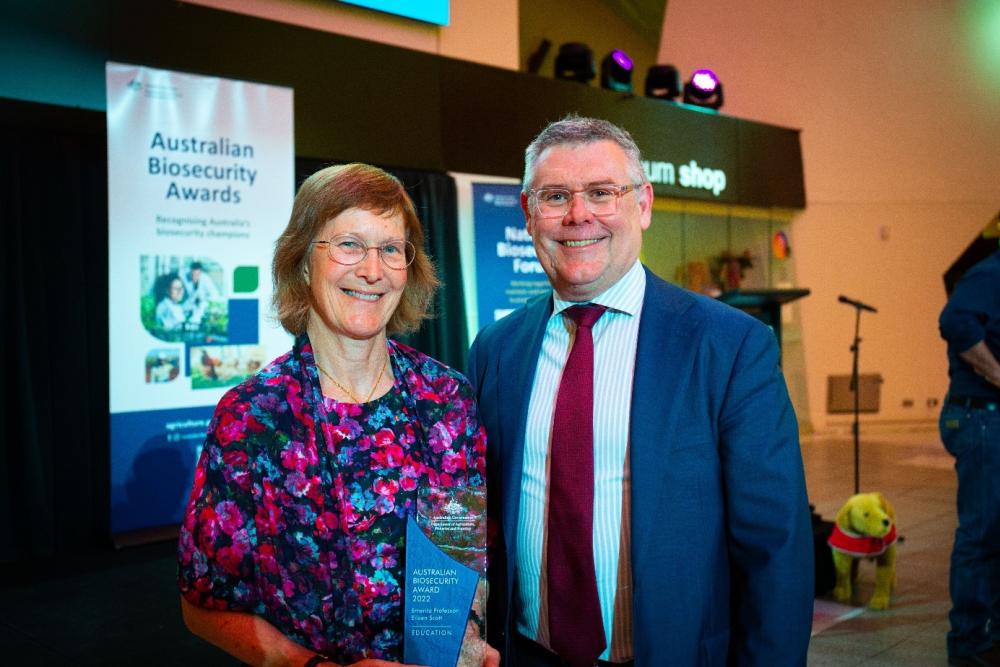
(576, 631)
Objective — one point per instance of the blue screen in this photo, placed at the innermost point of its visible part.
(432, 11)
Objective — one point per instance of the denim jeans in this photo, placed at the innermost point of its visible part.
(972, 436)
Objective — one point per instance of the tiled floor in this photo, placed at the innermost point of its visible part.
(915, 474)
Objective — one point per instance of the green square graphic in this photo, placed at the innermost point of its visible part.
(245, 279)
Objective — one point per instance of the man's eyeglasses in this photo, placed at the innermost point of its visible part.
(599, 200)
(349, 250)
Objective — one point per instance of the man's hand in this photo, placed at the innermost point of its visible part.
(983, 362)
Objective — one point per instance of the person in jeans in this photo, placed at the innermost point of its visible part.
(970, 430)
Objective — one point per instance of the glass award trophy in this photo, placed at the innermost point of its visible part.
(445, 608)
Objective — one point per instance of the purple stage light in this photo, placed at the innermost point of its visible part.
(705, 79)
(616, 71)
(622, 59)
(703, 89)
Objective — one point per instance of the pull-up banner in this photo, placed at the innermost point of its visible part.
(200, 185)
(508, 272)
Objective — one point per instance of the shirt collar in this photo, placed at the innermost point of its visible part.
(625, 296)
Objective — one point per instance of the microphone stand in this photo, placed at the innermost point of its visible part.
(855, 387)
(856, 384)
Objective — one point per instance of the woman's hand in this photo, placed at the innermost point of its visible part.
(491, 657)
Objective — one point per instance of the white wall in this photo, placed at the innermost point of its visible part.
(481, 31)
(899, 106)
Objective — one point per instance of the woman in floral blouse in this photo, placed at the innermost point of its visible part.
(292, 545)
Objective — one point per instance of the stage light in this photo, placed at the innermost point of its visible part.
(663, 82)
(616, 72)
(703, 89)
(575, 62)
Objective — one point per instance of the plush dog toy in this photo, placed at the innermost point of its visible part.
(865, 528)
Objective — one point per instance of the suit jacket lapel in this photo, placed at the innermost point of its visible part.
(654, 410)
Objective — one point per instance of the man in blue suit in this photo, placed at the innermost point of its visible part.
(700, 551)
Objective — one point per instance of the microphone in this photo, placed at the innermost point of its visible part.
(856, 304)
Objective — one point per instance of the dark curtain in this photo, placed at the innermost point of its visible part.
(53, 205)
(444, 335)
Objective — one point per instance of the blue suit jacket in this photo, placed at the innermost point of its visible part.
(722, 557)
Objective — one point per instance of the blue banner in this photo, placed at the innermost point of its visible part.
(507, 269)
(153, 465)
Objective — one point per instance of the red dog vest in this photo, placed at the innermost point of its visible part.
(860, 546)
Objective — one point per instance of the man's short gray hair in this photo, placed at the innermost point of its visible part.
(575, 130)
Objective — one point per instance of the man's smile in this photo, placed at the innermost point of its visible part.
(580, 243)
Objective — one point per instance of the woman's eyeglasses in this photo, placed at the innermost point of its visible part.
(349, 250)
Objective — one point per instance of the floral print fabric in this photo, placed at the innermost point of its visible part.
(299, 503)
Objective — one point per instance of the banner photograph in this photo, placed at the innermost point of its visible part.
(200, 185)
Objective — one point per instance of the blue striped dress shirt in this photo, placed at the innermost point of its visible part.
(615, 337)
